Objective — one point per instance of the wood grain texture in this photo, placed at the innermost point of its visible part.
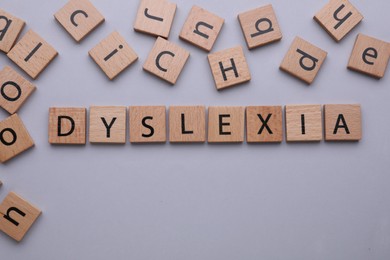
(260, 26)
(147, 124)
(14, 138)
(226, 124)
(79, 18)
(17, 216)
(343, 122)
(264, 124)
(11, 27)
(187, 124)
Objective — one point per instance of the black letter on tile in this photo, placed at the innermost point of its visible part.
(12, 132)
(36, 48)
(183, 126)
(6, 26)
(59, 124)
(341, 20)
(108, 126)
(112, 53)
(259, 31)
(343, 125)
(223, 70)
(373, 54)
(159, 57)
(303, 128)
(205, 25)
(307, 56)
(221, 124)
(73, 15)
(11, 99)
(7, 217)
(265, 124)
(151, 16)
(147, 126)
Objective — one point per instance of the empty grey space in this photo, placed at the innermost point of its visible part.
(301, 201)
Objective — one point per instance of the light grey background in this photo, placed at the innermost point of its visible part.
(287, 201)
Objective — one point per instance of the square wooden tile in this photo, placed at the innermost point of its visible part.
(32, 54)
(338, 18)
(10, 28)
(264, 124)
(147, 124)
(14, 138)
(17, 216)
(369, 56)
(343, 122)
(107, 124)
(201, 28)
(14, 90)
(79, 18)
(113, 55)
(187, 124)
(67, 125)
(303, 60)
(226, 124)
(155, 17)
(229, 67)
(166, 60)
(303, 123)
(260, 26)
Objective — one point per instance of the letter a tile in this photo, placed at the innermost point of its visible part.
(226, 124)
(10, 28)
(343, 122)
(264, 124)
(147, 124)
(187, 124)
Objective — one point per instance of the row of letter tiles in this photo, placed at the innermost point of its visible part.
(147, 124)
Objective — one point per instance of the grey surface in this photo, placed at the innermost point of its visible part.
(287, 201)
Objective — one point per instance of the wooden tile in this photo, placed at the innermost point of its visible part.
(67, 125)
(264, 124)
(113, 55)
(260, 26)
(338, 18)
(229, 67)
(303, 60)
(187, 124)
(166, 60)
(14, 138)
(155, 17)
(226, 124)
(79, 18)
(32, 54)
(14, 90)
(10, 28)
(147, 124)
(369, 56)
(303, 123)
(343, 122)
(17, 216)
(107, 125)
(201, 28)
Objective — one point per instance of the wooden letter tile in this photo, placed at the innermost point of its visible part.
(201, 28)
(79, 18)
(155, 17)
(67, 125)
(32, 54)
(229, 67)
(343, 122)
(303, 60)
(338, 18)
(187, 124)
(14, 138)
(147, 124)
(370, 56)
(10, 28)
(303, 123)
(166, 60)
(260, 26)
(264, 124)
(17, 216)
(14, 90)
(226, 124)
(107, 125)
(113, 55)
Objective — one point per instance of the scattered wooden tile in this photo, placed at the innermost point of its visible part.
(303, 60)
(14, 138)
(303, 123)
(369, 56)
(187, 124)
(11, 27)
(260, 26)
(201, 28)
(229, 67)
(113, 55)
(166, 60)
(155, 17)
(226, 124)
(147, 124)
(14, 90)
(32, 54)
(79, 18)
(338, 18)
(264, 124)
(343, 122)
(67, 125)
(17, 216)
(107, 125)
